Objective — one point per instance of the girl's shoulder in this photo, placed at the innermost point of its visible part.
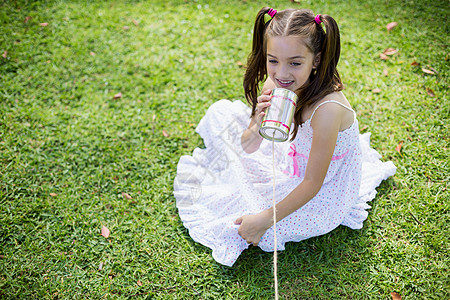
(334, 104)
(336, 96)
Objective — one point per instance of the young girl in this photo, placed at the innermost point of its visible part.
(325, 174)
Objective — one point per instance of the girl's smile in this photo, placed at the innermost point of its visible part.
(289, 61)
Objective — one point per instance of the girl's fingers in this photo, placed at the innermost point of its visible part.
(267, 92)
(264, 97)
(260, 111)
(262, 106)
(260, 117)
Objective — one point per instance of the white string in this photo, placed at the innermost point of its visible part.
(275, 254)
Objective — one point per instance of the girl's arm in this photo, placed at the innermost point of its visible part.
(326, 124)
(251, 139)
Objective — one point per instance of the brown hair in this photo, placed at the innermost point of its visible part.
(301, 23)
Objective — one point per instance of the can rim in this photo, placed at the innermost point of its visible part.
(283, 138)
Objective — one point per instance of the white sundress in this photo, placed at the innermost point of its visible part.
(220, 183)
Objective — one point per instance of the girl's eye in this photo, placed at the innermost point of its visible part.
(295, 64)
(272, 61)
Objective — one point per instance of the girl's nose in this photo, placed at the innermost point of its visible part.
(282, 72)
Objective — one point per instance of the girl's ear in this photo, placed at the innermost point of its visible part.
(316, 61)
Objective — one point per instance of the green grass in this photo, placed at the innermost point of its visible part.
(68, 150)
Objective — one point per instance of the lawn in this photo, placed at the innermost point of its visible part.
(99, 99)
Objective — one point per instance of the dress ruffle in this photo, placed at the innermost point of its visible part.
(373, 172)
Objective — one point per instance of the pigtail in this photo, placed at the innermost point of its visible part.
(325, 80)
(331, 50)
(256, 62)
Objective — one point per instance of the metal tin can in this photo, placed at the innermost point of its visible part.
(277, 122)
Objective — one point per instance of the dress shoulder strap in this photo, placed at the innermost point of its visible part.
(332, 101)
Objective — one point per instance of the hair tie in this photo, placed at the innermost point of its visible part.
(269, 15)
(318, 20)
(272, 12)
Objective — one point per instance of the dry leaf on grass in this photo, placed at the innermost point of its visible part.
(399, 147)
(136, 23)
(396, 296)
(43, 24)
(165, 133)
(427, 71)
(117, 96)
(376, 90)
(391, 25)
(5, 54)
(384, 56)
(139, 283)
(126, 196)
(430, 92)
(53, 194)
(27, 18)
(105, 231)
(390, 51)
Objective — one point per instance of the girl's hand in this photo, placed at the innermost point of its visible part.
(253, 227)
(251, 139)
(263, 104)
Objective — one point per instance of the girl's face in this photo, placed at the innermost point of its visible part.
(289, 61)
